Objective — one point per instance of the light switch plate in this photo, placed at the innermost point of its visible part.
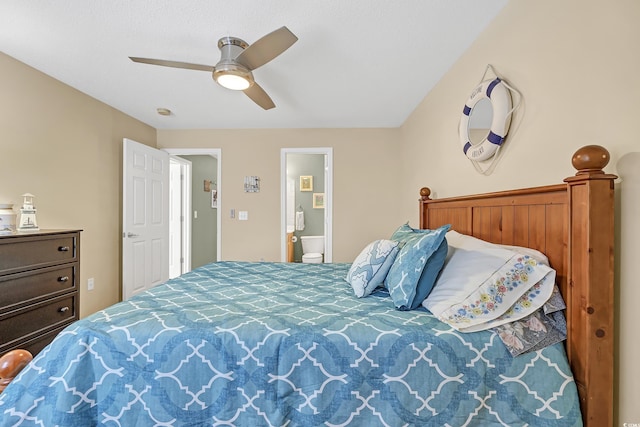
(243, 215)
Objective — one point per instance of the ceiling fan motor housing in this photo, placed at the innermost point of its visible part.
(232, 42)
(230, 48)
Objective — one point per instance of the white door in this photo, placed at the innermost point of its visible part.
(145, 218)
(179, 216)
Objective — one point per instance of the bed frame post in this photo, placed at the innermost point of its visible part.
(590, 303)
(11, 364)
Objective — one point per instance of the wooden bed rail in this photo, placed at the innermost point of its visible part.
(11, 364)
(573, 224)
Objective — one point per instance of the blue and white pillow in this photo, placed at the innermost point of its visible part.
(417, 265)
(371, 267)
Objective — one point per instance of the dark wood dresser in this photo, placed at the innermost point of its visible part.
(39, 282)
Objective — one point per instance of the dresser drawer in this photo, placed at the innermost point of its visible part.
(25, 288)
(36, 319)
(35, 344)
(27, 253)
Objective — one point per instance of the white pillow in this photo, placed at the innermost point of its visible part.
(371, 266)
(483, 285)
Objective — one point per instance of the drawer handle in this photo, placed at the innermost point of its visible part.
(63, 279)
(63, 248)
(63, 309)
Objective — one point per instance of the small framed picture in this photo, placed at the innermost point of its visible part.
(214, 199)
(306, 183)
(318, 200)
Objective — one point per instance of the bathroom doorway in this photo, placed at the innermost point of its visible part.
(306, 200)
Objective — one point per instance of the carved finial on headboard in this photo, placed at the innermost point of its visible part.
(425, 192)
(590, 160)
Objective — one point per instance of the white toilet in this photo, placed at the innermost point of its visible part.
(312, 249)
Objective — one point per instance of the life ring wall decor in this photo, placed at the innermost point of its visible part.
(497, 92)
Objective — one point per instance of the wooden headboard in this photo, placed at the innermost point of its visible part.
(572, 224)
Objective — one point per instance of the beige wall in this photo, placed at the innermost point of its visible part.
(66, 149)
(366, 182)
(577, 66)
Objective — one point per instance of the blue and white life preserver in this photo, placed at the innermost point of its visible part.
(497, 92)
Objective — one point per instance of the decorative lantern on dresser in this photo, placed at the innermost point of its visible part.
(39, 281)
(28, 214)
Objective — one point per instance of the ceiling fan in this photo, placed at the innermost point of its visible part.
(237, 61)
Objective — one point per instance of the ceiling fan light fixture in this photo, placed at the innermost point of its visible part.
(233, 82)
(233, 76)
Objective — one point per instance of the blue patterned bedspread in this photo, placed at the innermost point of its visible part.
(270, 344)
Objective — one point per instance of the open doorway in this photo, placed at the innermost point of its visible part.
(306, 203)
(200, 233)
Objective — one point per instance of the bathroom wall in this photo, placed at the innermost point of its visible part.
(307, 165)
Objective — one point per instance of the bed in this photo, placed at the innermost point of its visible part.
(235, 343)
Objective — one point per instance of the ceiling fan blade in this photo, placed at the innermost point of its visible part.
(174, 64)
(259, 96)
(267, 48)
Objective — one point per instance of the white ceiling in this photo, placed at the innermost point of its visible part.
(357, 63)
